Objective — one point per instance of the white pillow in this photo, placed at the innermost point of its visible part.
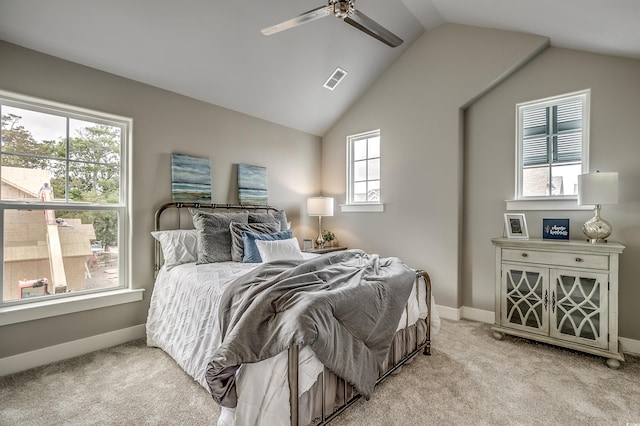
(178, 246)
(279, 250)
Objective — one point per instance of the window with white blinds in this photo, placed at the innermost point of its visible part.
(552, 145)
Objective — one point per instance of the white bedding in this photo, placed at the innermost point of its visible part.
(183, 322)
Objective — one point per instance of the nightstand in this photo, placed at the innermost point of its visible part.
(324, 250)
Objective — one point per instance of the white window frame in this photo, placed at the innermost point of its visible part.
(359, 206)
(549, 202)
(16, 311)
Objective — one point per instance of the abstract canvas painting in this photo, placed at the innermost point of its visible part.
(190, 179)
(252, 184)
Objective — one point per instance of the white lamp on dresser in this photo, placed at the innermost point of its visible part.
(596, 189)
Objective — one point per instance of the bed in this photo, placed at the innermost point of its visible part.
(290, 386)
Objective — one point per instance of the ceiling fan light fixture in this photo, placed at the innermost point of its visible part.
(342, 8)
(335, 78)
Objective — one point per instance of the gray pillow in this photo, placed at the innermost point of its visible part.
(279, 216)
(237, 244)
(213, 234)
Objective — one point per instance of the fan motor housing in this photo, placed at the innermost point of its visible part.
(343, 8)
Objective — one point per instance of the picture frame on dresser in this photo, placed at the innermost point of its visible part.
(516, 224)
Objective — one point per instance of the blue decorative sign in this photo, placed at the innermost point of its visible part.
(555, 229)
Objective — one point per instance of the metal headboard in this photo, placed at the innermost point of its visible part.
(175, 205)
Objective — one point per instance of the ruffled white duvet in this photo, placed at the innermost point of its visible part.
(183, 322)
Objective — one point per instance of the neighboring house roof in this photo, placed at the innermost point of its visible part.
(75, 239)
(28, 181)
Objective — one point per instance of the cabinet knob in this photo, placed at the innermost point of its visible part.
(525, 254)
(578, 259)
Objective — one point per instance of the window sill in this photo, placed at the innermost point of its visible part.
(546, 204)
(359, 208)
(51, 308)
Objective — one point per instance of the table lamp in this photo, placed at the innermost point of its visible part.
(320, 206)
(597, 189)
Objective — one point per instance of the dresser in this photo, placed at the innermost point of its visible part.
(563, 293)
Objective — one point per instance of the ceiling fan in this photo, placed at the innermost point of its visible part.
(345, 10)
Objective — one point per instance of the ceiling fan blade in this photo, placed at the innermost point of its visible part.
(309, 16)
(371, 27)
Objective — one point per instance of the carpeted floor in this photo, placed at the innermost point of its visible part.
(470, 379)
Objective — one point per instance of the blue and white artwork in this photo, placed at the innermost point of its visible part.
(190, 179)
(252, 184)
(555, 229)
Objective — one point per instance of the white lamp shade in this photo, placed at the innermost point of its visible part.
(320, 206)
(598, 188)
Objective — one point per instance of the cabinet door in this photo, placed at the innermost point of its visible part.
(525, 298)
(579, 307)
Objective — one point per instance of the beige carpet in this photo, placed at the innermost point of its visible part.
(471, 379)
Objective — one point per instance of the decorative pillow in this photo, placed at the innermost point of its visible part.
(178, 246)
(279, 216)
(214, 236)
(251, 253)
(237, 245)
(279, 250)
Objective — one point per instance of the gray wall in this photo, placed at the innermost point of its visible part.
(417, 105)
(164, 123)
(614, 146)
(446, 110)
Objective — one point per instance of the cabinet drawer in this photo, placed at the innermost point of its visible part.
(581, 260)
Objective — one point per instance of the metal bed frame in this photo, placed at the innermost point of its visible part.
(424, 346)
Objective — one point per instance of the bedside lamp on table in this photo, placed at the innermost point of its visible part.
(597, 189)
(320, 206)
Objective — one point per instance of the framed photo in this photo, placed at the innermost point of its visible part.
(555, 229)
(307, 244)
(516, 225)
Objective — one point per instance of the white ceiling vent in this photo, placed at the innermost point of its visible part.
(335, 78)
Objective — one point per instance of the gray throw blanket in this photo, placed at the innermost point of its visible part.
(345, 305)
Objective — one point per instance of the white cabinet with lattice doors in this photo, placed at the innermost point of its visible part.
(559, 292)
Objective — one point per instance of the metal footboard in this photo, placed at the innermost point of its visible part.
(425, 346)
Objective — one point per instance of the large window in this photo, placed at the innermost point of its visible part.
(552, 146)
(63, 200)
(363, 168)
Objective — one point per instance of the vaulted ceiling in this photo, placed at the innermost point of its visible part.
(213, 50)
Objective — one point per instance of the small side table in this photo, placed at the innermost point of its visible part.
(324, 250)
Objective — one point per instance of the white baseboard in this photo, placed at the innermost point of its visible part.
(449, 313)
(27, 360)
(465, 312)
(630, 346)
(478, 315)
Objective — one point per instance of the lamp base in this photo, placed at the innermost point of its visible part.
(320, 241)
(597, 229)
